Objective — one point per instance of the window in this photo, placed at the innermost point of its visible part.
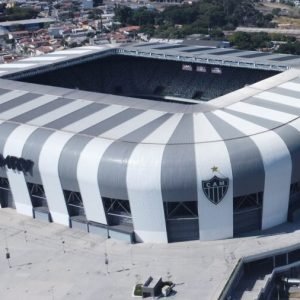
(36, 190)
(117, 207)
(248, 201)
(37, 195)
(117, 211)
(181, 210)
(74, 203)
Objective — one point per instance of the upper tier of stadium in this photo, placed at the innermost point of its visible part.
(269, 103)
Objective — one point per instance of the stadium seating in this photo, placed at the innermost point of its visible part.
(141, 77)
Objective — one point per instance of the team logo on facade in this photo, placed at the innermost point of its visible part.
(215, 189)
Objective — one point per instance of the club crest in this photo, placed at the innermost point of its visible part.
(215, 189)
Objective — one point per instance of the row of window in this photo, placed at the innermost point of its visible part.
(118, 211)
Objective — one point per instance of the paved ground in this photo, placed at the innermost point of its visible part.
(49, 261)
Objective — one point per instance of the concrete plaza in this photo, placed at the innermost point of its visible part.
(49, 261)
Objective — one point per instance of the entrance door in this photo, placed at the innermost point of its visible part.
(182, 221)
(247, 213)
(181, 230)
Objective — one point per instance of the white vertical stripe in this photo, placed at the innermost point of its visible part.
(262, 112)
(87, 174)
(278, 168)
(11, 96)
(48, 166)
(59, 112)
(247, 128)
(205, 131)
(49, 159)
(14, 147)
(280, 99)
(293, 86)
(215, 221)
(130, 125)
(88, 165)
(94, 118)
(296, 124)
(144, 184)
(25, 107)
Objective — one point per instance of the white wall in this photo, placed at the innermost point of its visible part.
(215, 221)
(14, 147)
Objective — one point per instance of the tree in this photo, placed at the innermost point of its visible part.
(203, 16)
(123, 14)
(289, 48)
(18, 13)
(276, 11)
(241, 40)
(250, 41)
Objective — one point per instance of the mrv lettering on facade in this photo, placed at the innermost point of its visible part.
(16, 163)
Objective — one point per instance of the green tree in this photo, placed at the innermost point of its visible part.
(276, 11)
(18, 13)
(203, 16)
(123, 14)
(290, 48)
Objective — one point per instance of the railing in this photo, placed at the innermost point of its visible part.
(236, 274)
(232, 281)
(207, 59)
(266, 289)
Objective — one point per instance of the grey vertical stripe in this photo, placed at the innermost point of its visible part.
(75, 115)
(3, 91)
(68, 160)
(17, 101)
(246, 161)
(178, 170)
(291, 138)
(113, 166)
(274, 106)
(284, 92)
(112, 122)
(287, 133)
(6, 129)
(296, 80)
(270, 124)
(141, 133)
(32, 149)
(41, 110)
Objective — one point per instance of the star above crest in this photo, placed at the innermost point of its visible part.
(214, 169)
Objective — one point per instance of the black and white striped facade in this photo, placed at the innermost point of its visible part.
(151, 153)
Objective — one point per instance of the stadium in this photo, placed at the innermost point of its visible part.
(152, 142)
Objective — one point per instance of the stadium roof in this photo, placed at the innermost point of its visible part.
(219, 56)
(27, 22)
(166, 51)
(267, 105)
